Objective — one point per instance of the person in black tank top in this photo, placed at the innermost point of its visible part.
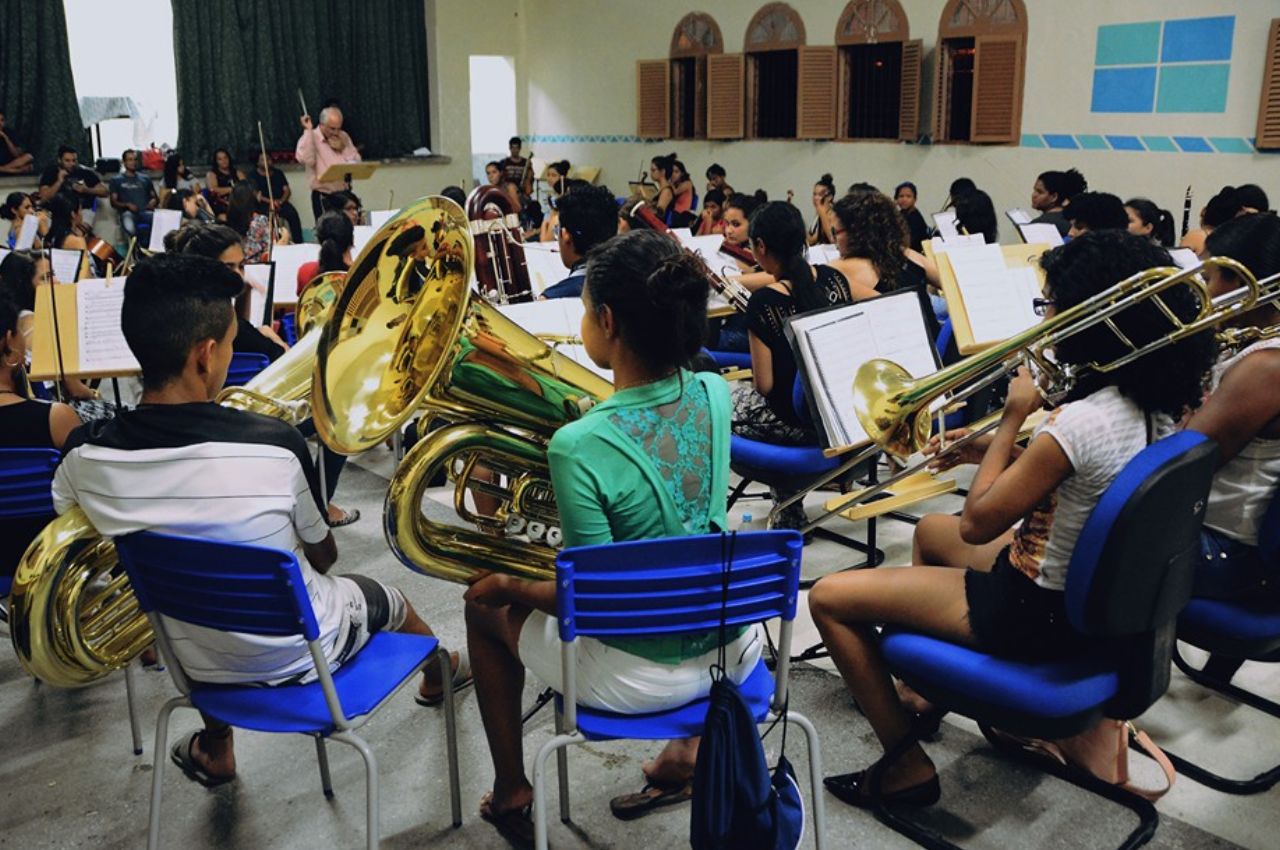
(765, 411)
(23, 424)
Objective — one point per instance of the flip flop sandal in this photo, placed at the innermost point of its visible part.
(516, 825)
(462, 679)
(348, 517)
(180, 754)
(650, 798)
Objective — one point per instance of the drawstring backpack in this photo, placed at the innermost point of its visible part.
(737, 804)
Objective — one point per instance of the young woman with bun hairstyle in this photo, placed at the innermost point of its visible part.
(1147, 219)
(1052, 191)
(650, 461)
(824, 195)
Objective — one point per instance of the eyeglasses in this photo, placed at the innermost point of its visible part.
(1041, 305)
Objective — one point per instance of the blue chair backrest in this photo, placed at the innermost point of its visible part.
(244, 366)
(1132, 566)
(944, 338)
(675, 584)
(289, 328)
(26, 482)
(1269, 533)
(225, 586)
(800, 402)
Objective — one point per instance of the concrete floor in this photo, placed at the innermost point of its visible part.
(69, 780)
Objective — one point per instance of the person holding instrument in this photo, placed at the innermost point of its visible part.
(615, 479)
(1010, 600)
(517, 167)
(319, 149)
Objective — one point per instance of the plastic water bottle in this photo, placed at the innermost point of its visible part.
(745, 524)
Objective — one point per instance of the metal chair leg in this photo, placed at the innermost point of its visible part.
(322, 756)
(135, 724)
(562, 770)
(157, 768)
(451, 736)
(815, 776)
(540, 785)
(371, 784)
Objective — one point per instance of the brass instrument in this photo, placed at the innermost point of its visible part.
(1234, 340)
(896, 409)
(733, 292)
(73, 616)
(408, 333)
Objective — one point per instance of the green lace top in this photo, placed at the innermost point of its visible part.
(651, 461)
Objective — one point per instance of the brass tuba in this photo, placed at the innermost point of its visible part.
(73, 617)
(408, 334)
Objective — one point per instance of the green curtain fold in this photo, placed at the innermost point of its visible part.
(37, 91)
(242, 61)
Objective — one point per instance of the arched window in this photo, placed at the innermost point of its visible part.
(879, 72)
(773, 42)
(981, 62)
(696, 37)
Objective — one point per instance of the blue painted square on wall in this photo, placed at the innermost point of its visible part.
(1193, 88)
(1198, 40)
(1128, 44)
(1124, 89)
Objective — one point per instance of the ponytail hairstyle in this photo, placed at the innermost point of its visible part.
(779, 226)
(649, 282)
(61, 211)
(1161, 221)
(172, 171)
(1065, 184)
(976, 214)
(1170, 380)
(665, 164)
(336, 236)
(827, 182)
(875, 231)
(959, 187)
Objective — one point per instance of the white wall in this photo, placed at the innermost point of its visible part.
(589, 89)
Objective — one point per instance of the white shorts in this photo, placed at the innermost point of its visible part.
(369, 606)
(610, 679)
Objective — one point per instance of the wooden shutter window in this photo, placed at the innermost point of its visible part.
(997, 89)
(909, 93)
(941, 93)
(816, 97)
(1268, 136)
(725, 75)
(653, 99)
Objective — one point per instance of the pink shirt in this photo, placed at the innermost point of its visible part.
(316, 157)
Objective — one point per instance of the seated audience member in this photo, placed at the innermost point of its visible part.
(906, 195)
(716, 179)
(1242, 415)
(493, 172)
(81, 185)
(253, 227)
(1095, 211)
(179, 323)
(764, 411)
(1252, 199)
(1052, 192)
(194, 206)
(1220, 209)
(222, 176)
(612, 483)
(1147, 219)
(13, 159)
(455, 194)
(278, 200)
(176, 176)
(872, 238)
(711, 221)
(15, 209)
(976, 214)
(824, 195)
(1010, 601)
(346, 202)
(24, 424)
(588, 217)
(133, 195)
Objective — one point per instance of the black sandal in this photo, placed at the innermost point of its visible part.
(651, 797)
(516, 825)
(852, 788)
(181, 755)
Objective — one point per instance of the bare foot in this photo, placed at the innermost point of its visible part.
(674, 765)
(911, 700)
(432, 688)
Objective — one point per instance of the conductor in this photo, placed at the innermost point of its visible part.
(321, 147)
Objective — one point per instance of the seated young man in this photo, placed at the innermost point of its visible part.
(588, 217)
(182, 465)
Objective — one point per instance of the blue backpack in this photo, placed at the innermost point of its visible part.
(737, 804)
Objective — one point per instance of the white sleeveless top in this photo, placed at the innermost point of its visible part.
(1244, 486)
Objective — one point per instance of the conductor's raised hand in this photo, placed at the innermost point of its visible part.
(306, 122)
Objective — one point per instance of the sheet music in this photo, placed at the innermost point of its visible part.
(258, 276)
(360, 235)
(4, 252)
(682, 233)
(65, 264)
(945, 223)
(163, 223)
(559, 316)
(833, 344)
(101, 341)
(1043, 232)
(27, 238)
(377, 218)
(1019, 216)
(1184, 258)
(542, 262)
(996, 298)
(823, 254)
(708, 248)
(943, 246)
(288, 259)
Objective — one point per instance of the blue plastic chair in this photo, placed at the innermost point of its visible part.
(1233, 633)
(244, 366)
(289, 328)
(261, 591)
(1129, 576)
(670, 586)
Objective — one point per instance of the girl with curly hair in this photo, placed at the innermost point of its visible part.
(873, 241)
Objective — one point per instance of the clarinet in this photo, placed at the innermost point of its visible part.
(1186, 212)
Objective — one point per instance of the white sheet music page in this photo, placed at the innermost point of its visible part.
(65, 264)
(377, 218)
(101, 341)
(1019, 216)
(1045, 233)
(822, 254)
(27, 238)
(162, 223)
(1184, 258)
(361, 234)
(996, 298)
(288, 259)
(258, 276)
(542, 261)
(835, 343)
(558, 316)
(945, 223)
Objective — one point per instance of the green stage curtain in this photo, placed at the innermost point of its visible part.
(37, 91)
(243, 61)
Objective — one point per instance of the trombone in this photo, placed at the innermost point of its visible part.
(1235, 340)
(895, 409)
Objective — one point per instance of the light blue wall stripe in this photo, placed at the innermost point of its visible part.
(1161, 144)
(1231, 145)
(1192, 144)
(1125, 143)
(1060, 141)
(1032, 141)
(1092, 143)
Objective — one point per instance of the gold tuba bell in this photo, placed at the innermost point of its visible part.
(73, 617)
(408, 334)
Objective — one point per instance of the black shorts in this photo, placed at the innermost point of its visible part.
(1012, 616)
